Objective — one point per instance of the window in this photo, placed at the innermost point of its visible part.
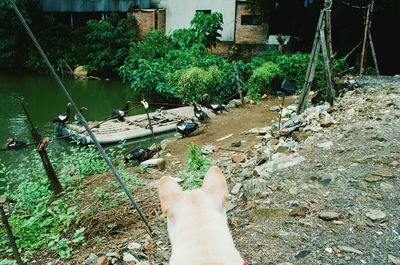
(251, 20)
(207, 12)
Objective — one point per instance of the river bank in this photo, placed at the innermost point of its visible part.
(327, 193)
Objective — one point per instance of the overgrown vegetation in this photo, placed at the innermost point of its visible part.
(40, 221)
(261, 79)
(100, 45)
(197, 167)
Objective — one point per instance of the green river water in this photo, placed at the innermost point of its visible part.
(44, 101)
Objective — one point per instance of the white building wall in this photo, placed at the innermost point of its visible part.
(179, 13)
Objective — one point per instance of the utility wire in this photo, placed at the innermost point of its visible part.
(82, 119)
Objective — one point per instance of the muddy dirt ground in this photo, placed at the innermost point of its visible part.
(333, 199)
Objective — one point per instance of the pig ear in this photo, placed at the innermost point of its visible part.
(170, 193)
(215, 185)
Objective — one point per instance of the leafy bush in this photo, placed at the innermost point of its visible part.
(194, 82)
(260, 81)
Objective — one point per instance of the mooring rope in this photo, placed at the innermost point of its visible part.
(82, 119)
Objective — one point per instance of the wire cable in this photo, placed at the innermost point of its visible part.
(82, 119)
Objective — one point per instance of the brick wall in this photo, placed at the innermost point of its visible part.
(149, 19)
(249, 34)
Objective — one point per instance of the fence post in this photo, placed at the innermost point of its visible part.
(51, 174)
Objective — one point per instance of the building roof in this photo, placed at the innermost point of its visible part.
(92, 5)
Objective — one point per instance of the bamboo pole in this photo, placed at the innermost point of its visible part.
(364, 47)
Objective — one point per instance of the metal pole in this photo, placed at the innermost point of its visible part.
(10, 235)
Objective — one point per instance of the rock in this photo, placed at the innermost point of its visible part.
(386, 187)
(372, 178)
(350, 250)
(234, 103)
(327, 179)
(376, 196)
(164, 143)
(329, 250)
(288, 236)
(300, 211)
(376, 215)
(384, 173)
(260, 131)
(230, 206)
(326, 145)
(302, 254)
(238, 158)
(156, 162)
(91, 260)
(208, 149)
(275, 108)
(283, 149)
(236, 144)
(278, 162)
(329, 216)
(246, 173)
(103, 261)
(80, 72)
(393, 260)
(142, 263)
(134, 246)
(254, 188)
(236, 188)
(129, 257)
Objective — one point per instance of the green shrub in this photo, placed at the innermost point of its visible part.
(197, 166)
(194, 82)
(260, 81)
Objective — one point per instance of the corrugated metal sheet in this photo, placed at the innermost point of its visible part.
(91, 5)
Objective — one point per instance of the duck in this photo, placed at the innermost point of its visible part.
(140, 154)
(217, 108)
(186, 127)
(14, 144)
(119, 114)
(81, 110)
(199, 114)
(63, 118)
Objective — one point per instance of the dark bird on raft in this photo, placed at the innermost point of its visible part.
(81, 110)
(64, 117)
(120, 114)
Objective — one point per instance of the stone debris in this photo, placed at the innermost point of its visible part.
(376, 215)
(156, 162)
(329, 216)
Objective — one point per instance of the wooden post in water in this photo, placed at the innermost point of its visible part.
(10, 235)
(51, 174)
